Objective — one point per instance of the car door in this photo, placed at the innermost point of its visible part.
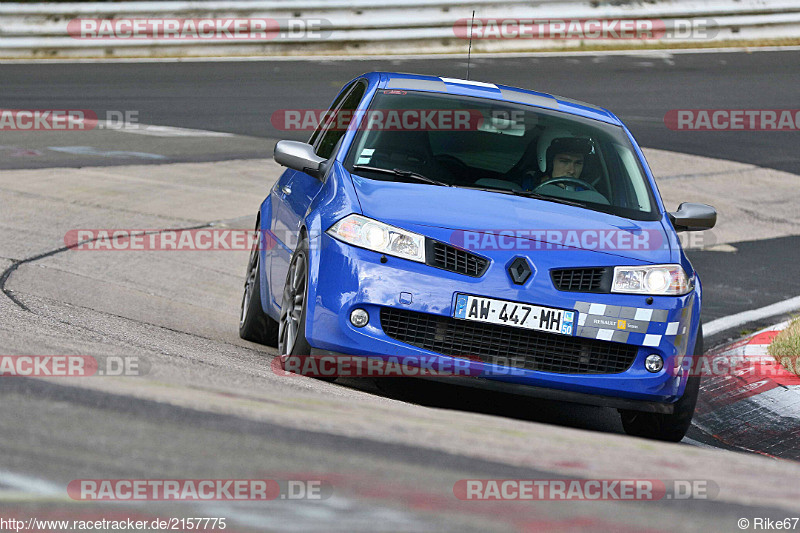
(295, 190)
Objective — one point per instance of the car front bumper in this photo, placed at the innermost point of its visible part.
(351, 278)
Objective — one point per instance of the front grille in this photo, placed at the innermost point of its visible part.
(444, 256)
(505, 345)
(582, 279)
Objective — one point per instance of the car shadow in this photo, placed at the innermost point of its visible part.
(468, 399)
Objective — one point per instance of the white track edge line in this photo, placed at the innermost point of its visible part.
(731, 321)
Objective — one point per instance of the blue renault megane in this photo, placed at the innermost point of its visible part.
(518, 233)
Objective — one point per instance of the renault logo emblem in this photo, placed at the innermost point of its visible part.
(520, 270)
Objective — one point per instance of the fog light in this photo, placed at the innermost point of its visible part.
(359, 318)
(653, 363)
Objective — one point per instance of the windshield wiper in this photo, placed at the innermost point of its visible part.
(419, 177)
(402, 173)
(556, 199)
(527, 194)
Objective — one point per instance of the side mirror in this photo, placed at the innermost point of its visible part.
(299, 156)
(693, 217)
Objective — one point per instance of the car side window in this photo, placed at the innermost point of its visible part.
(329, 112)
(337, 127)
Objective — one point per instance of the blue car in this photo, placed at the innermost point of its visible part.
(509, 232)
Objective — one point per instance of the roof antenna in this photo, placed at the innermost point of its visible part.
(469, 53)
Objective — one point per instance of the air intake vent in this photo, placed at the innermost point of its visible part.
(446, 257)
(507, 346)
(583, 279)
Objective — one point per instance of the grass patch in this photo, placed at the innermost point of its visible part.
(785, 348)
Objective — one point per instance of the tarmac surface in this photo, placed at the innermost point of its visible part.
(211, 406)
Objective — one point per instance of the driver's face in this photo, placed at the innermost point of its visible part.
(567, 165)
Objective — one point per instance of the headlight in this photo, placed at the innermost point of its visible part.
(658, 280)
(379, 237)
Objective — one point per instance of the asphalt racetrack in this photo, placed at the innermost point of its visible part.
(211, 406)
(240, 98)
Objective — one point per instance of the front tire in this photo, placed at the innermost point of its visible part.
(292, 322)
(254, 324)
(673, 427)
(292, 340)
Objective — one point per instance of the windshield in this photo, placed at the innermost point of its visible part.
(443, 139)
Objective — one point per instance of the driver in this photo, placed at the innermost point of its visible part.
(565, 159)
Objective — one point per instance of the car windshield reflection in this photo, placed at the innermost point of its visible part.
(501, 147)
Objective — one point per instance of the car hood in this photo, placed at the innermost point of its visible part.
(481, 220)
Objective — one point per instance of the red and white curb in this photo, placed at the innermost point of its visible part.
(753, 410)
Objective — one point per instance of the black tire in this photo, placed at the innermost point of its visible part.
(254, 324)
(673, 427)
(292, 340)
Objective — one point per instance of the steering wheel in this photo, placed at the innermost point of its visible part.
(573, 181)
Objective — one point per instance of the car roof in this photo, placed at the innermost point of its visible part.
(493, 91)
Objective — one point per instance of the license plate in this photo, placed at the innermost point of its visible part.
(515, 314)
